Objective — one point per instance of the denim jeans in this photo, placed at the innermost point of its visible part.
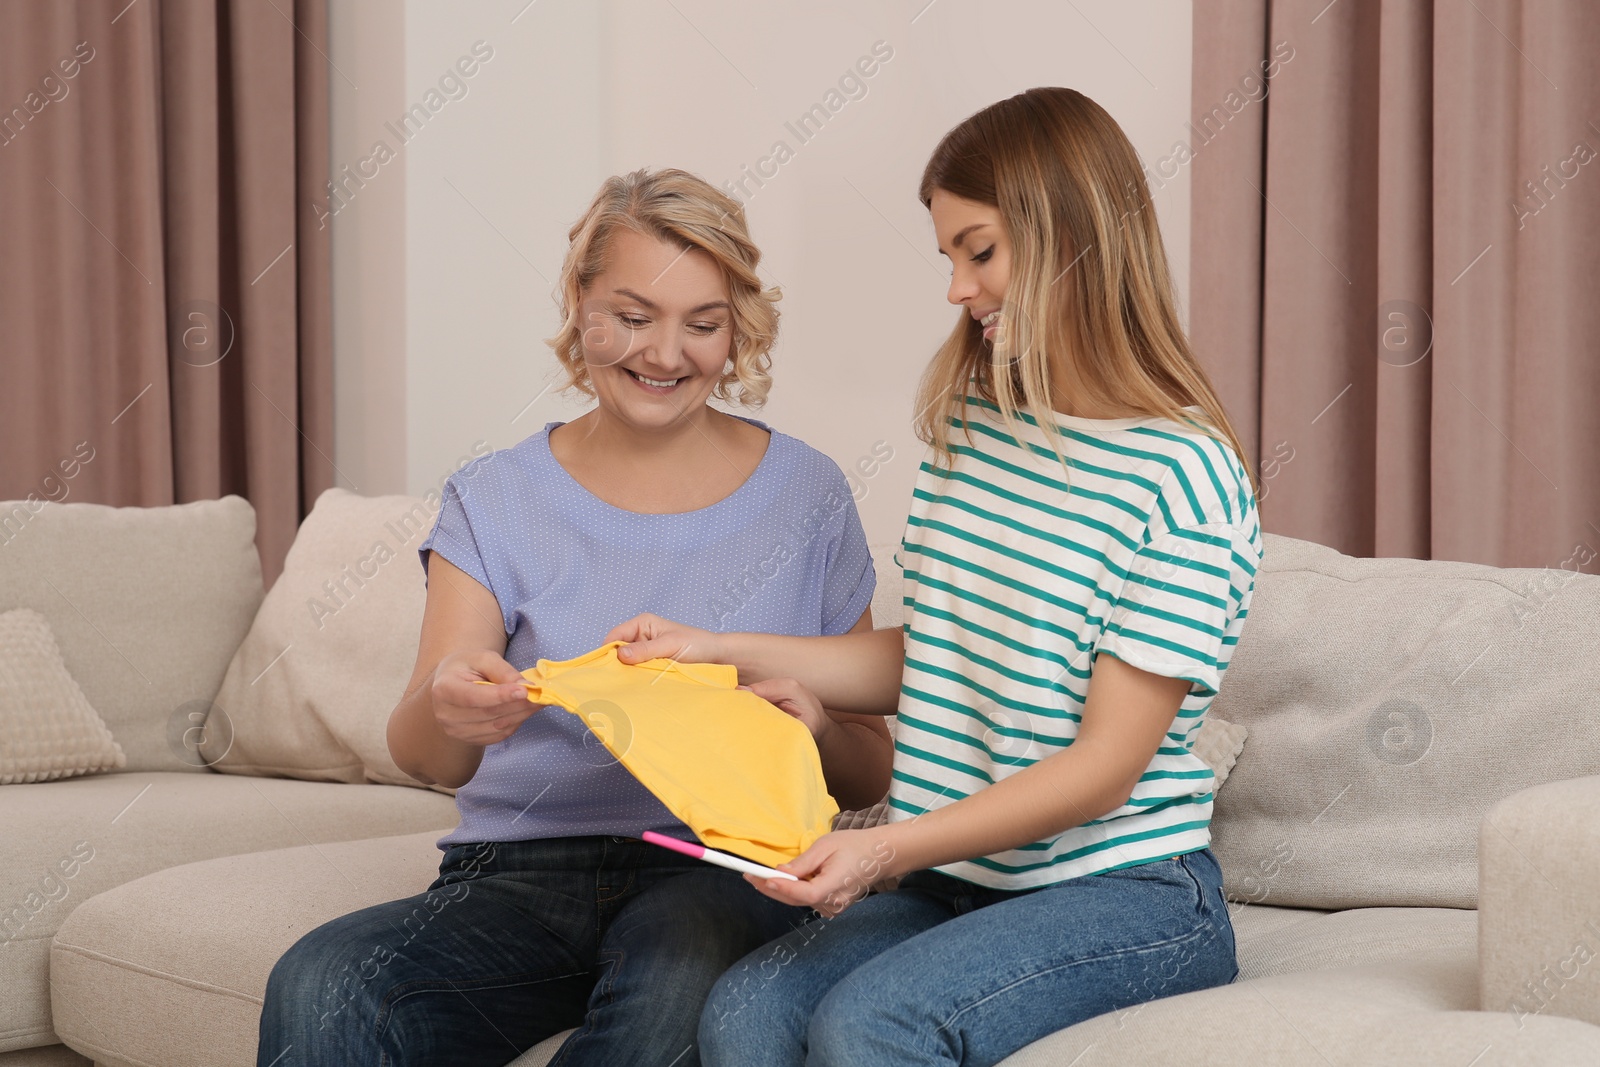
(514, 942)
(942, 971)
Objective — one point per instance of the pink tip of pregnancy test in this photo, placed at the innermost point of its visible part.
(697, 851)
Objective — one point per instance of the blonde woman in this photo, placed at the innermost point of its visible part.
(1079, 561)
(548, 912)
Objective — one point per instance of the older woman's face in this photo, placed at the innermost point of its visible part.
(658, 330)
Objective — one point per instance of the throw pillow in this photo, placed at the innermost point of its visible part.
(47, 728)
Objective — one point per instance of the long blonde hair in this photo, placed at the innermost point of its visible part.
(1089, 282)
(676, 207)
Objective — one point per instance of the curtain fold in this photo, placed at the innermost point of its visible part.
(164, 288)
(1394, 260)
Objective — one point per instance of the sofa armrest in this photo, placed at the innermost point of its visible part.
(1538, 909)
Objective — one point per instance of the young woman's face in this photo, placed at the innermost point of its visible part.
(658, 330)
(972, 237)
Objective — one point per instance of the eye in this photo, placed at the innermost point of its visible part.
(705, 329)
(633, 322)
(984, 256)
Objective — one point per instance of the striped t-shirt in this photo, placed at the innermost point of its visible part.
(1017, 575)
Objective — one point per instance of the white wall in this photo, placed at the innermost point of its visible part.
(575, 91)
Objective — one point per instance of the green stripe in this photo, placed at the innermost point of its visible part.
(923, 783)
(988, 724)
(1002, 550)
(1054, 659)
(1170, 462)
(1014, 584)
(994, 697)
(1032, 621)
(1020, 526)
(896, 802)
(1184, 776)
(1081, 518)
(1088, 850)
(974, 743)
(1199, 450)
(1091, 468)
(1146, 611)
(983, 661)
(1196, 655)
(942, 761)
(1178, 590)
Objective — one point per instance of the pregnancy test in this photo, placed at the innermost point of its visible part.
(711, 855)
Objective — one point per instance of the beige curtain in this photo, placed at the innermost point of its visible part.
(164, 283)
(1396, 268)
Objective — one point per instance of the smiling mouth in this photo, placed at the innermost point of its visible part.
(989, 319)
(659, 383)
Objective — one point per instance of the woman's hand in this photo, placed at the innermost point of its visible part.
(794, 699)
(474, 713)
(652, 637)
(836, 871)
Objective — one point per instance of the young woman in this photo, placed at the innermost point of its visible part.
(548, 913)
(1079, 561)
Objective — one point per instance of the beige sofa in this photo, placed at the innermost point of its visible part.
(1419, 739)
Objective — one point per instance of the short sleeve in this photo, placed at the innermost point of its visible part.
(452, 538)
(849, 579)
(1181, 605)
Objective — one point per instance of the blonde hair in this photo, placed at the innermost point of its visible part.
(1089, 286)
(680, 209)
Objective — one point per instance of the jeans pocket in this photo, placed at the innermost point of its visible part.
(469, 859)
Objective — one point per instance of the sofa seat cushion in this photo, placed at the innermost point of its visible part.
(44, 1056)
(68, 840)
(1366, 936)
(170, 969)
(1376, 985)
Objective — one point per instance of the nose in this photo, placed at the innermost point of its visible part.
(963, 287)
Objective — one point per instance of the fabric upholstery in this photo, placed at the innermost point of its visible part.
(147, 604)
(309, 692)
(1406, 695)
(47, 728)
(111, 829)
(1375, 986)
(1539, 928)
(143, 976)
(44, 1056)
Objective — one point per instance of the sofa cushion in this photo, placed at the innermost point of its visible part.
(1378, 986)
(170, 969)
(47, 728)
(68, 840)
(44, 1056)
(308, 694)
(1390, 703)
(147, 604)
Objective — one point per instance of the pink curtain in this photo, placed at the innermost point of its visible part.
(164, 283)
(1395, 262)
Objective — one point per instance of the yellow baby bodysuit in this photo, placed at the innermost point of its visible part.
(741, 774)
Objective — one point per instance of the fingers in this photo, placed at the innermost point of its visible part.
(459, 685)
(777, 690)
(632, 630)
(670, 647)
(802, 894)
(811, 860)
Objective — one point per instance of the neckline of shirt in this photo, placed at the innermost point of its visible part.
(749, 485)
(1077, 422)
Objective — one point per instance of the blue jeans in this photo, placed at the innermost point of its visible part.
(942, 971)
(514, 942)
